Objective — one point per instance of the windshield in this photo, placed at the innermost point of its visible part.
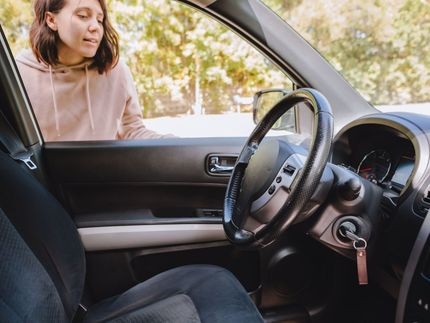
(382, 47)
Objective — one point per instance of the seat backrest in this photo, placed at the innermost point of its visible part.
(42, 259)
(27, 293)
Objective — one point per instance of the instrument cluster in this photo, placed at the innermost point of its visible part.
(380, 154)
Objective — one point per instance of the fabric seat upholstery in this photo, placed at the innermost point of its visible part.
(214, 292)
(42, 270)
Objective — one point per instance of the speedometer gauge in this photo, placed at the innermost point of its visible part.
(375, 166)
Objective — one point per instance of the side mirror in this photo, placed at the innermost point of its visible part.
(265, 100)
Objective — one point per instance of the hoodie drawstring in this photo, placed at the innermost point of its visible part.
(90, 109)
(54, 99)
(57, 121)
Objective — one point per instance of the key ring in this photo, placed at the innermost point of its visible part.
(355, 243)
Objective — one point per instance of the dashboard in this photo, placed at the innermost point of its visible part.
(379, 153)
(391, 151)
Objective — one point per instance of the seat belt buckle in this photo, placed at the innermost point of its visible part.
(26, 159)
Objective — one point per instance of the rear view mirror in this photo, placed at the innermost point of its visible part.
(265, 100)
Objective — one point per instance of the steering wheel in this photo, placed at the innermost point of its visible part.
(271, 183)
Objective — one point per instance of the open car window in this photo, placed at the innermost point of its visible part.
(193, 77)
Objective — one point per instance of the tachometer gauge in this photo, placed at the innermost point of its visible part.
(375, 166)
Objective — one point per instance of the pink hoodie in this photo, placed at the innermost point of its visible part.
(77, 103)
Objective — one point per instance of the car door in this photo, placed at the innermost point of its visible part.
(144, 206)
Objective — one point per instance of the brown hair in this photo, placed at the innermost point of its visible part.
(43, 39)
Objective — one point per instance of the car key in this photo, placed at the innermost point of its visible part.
(347, 230)
(360, 247)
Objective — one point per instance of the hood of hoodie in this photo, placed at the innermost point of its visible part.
(28, 58)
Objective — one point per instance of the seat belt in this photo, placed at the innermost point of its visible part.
(13, 144)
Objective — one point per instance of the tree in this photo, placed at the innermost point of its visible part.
(381, 47)
(15, 18)
(172, 49)
(175, 53)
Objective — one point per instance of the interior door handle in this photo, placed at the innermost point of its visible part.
(215, 168)
(221, 165)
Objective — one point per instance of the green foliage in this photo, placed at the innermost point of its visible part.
(172, 49)
(179, 57)
(15, 19)
(381, 46)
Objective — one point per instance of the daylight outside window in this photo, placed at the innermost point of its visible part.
(194, 77)
(380, 47)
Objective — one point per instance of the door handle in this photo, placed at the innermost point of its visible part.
(215, 168)
(221, 165)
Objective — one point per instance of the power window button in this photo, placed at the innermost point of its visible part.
(271, 189)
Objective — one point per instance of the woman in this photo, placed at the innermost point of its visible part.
(78, 87)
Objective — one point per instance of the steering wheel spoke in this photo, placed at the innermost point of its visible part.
(247, 152)
(268, 205)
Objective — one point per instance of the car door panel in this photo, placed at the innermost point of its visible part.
(167, 177)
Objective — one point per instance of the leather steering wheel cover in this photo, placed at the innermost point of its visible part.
(307, 180)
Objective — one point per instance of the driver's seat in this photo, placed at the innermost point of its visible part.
(42, 270)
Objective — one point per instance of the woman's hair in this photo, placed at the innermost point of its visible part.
(43, 39)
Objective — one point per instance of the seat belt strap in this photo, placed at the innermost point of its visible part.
(13, 144)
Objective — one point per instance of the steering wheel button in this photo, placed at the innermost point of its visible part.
(278, 179)
(271, 189)
(289, 169)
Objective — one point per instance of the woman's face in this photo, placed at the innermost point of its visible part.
(80, 29)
